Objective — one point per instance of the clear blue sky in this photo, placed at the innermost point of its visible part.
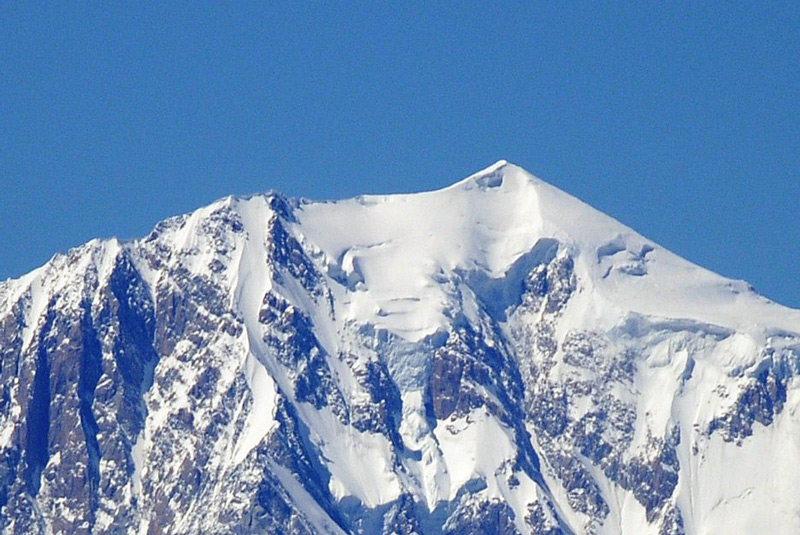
(681, 119)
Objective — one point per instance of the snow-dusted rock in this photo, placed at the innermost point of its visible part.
(493, 357)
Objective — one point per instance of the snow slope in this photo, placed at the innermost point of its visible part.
(493, 357)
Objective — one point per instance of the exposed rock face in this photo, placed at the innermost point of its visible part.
(468, 361)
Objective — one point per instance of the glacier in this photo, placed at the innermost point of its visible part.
(495, 357)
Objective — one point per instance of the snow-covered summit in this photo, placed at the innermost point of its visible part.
(397, 244)
(492, 357)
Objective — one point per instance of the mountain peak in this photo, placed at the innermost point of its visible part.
(495, 168)
(498, 175)
(492, 357)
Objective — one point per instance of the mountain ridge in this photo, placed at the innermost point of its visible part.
(269, 365)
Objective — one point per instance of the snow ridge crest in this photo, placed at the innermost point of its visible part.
(492, 357)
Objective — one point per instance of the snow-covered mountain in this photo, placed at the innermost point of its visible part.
(492, 358)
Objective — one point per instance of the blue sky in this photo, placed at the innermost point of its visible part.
(681, 119)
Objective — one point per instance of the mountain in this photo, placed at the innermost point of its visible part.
(492, 358)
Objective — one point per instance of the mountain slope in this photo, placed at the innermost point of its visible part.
(493, 357)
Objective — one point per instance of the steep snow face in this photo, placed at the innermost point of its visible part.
(493, 357)
(388, 250)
